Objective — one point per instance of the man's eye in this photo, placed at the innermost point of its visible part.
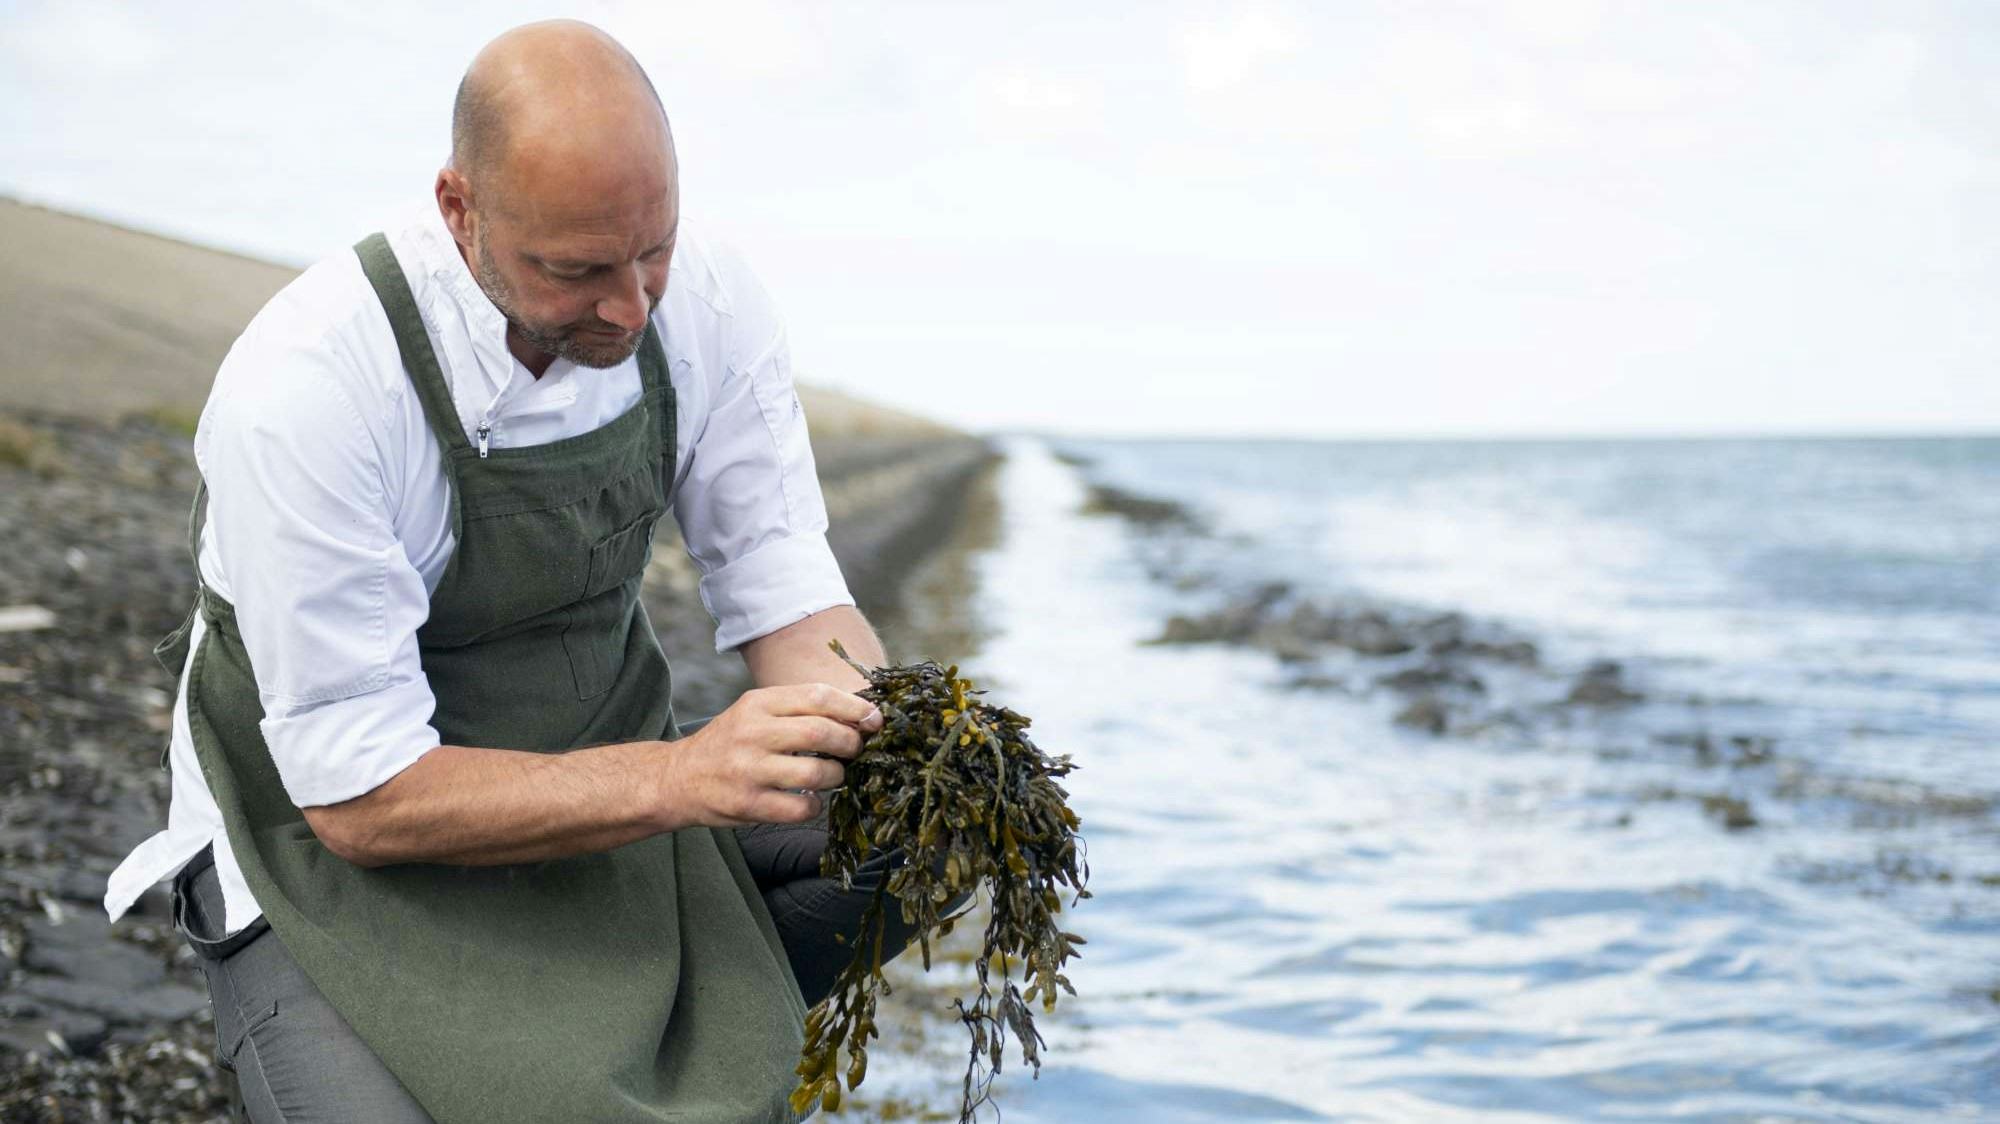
(569, 275)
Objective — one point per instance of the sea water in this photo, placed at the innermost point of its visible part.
(1303, 910)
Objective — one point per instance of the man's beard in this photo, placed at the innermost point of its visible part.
(561, 342)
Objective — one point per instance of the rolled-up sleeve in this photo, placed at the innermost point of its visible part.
(326, 598)
(750, 506)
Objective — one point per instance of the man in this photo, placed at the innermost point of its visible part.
(432, 840)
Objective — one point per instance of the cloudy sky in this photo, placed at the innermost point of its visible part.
(1314, 219)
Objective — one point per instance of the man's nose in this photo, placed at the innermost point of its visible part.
(627, 307)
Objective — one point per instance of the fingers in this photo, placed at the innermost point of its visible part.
(821, 700)
(768, 751)
(817, 735)
(785, 807)
(806, 772)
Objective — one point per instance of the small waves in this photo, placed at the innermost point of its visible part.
(1587, 882)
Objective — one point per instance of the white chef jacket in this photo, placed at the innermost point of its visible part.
(328, 515)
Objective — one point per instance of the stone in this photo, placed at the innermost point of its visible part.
(1446, 630)
(112, 963)
(1733, 812)
(1146, 511)
(1752, 750)
(1288, 649)
(1520, 652)
(165, 1002)
(25, 618)
(1427, 714)
(1318, 681)
(70, 1032)
(1233, 623)
(1602, 684)
(77, 929)
(1432, 677)
(1698, 742)
(1373, 634)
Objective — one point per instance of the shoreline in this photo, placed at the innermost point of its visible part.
(1449, 673)
(1476, 919)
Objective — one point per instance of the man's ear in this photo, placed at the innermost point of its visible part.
(454, 200)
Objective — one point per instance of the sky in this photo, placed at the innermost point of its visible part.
(1565, 217)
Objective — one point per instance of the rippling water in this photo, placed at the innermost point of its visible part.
(1304, 911)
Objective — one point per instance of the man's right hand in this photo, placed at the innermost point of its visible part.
(749, 763)
(478, 806)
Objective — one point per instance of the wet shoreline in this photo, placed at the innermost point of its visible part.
(1446, 673)
(1552, 908)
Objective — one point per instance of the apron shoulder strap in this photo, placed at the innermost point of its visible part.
(385, 274)
(655, 376)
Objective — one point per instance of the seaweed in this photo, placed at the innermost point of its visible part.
(958, 785)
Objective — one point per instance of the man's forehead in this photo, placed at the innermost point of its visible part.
(592, 214)
(563, 185)
(593, 167)
(581, 233)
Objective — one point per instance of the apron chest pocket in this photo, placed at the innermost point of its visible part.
(600, 625)
(621, 554)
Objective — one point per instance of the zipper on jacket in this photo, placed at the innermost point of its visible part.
(485, 429)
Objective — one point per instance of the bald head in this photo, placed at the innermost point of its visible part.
(547, 105)
(562, 192)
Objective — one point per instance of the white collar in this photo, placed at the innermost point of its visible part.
(451, 282)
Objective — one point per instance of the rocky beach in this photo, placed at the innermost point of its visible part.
(118, 334)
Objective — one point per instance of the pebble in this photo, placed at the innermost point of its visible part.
(84, 949)
(25, 618)
(67, 1032)
(1603, 684)
(1428, 714)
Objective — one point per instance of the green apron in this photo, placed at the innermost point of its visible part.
(646, 983)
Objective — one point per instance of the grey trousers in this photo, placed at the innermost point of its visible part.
(296, 1060)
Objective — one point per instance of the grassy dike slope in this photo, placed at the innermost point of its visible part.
(115, 336)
